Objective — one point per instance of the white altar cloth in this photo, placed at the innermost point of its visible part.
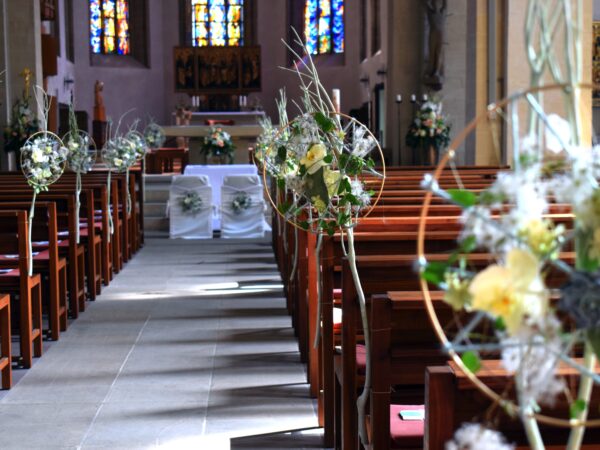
(216, 173)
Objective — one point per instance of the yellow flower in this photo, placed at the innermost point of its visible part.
(541, 235)
(513, 291)
(332, 180)
(457, 292)
(313, 160)
(319, 203)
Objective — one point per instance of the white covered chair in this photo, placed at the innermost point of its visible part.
(248, 219)
(190, 225)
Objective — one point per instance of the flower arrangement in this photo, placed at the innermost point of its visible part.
(218, 144)
(23, 124)
(154, 135)
(191, 203)
(320, 158)
(81, 157)
(138, 140)
(120, 154)
(43, 160)
(429, 128)
(241, 203)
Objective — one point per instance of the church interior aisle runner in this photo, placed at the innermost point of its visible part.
(190, 346)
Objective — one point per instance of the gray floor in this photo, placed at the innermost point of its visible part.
(189, 347)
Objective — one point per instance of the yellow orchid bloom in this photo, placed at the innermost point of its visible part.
(513, 291)
(313, 160)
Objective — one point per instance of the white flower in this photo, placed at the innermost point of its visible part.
(558, 133)
(38, 156)
(473, 436)
(533, 357)
(362, 146)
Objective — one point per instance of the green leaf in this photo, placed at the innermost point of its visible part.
(282, 153)
(471, 361)
(468, 244)
(324, 122)
(328, 159)
(576, 408)
(281, 183)
(462, 197)
(304, 225)
(434, 272)
(284, 207)
(500, 325)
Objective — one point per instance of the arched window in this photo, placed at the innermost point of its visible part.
(324, 26)
(109, 27)
(217, 23)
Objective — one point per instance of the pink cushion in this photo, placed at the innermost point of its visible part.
(337, 294)
(404, 433)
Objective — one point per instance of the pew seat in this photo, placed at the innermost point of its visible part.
(5, 343)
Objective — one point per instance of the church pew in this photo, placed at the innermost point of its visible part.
(47, 262)
(5, 343)
(65, 204)
(17, 283)
(451, 400)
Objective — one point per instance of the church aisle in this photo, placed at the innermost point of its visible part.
(190, 345)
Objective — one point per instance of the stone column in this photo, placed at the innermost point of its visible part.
(20, 47)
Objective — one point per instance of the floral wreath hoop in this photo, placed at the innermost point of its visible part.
(491, 112)
(377, 149)
(56, 140)
(91, 152)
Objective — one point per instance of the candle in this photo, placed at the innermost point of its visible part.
(336, 99)
(413, 98)
(398, 98)
(425, 98)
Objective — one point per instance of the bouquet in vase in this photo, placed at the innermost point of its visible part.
(430, 130)
(218, 145)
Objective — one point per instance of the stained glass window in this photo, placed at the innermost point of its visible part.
(109, 26)
(217, 23)
(324, 26)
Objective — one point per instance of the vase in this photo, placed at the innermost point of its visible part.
(218, 160)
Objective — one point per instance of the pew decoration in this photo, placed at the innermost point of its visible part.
(119, 154)
(508, 307)
(241, 203)
(43, 160)
(154, 135)
(81, 157)
(218, 146)
(317, 160)
(191, 203)
(141, 149)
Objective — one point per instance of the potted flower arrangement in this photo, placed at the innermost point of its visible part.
(218, 147)
(191, 203)
(22, 125)
(428, 133)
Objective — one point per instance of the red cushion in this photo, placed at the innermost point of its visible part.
(337, 294)
(406, 433)
(361, 358)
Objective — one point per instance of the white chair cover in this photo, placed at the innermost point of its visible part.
(185, 225)
(248, 223)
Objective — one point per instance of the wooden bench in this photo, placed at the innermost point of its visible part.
(17, 283)
(5, 343)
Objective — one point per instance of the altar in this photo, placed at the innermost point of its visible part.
(243, 136)
(216, 174)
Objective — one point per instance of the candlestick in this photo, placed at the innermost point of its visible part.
(425, 98)
(336, 99)
(398, 98)
(413, 98)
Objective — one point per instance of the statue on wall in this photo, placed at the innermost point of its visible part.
(436, 19)
(99, 111)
